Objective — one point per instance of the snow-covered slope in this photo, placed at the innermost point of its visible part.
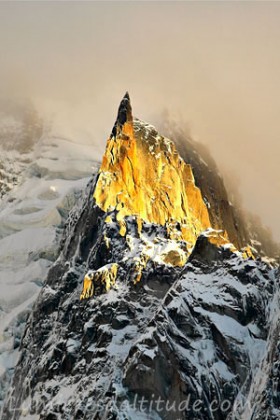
(39, 187)
(197, 333)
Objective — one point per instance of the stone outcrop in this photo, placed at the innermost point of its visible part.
(185, 317)
(100, 280)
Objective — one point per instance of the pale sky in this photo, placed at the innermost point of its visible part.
(214, 64)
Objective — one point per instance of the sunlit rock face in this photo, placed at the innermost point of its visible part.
(143, 177)
(99, 281)
(142, 174)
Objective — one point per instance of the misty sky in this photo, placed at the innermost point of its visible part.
(215, 65)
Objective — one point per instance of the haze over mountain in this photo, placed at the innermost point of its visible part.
(214, 65)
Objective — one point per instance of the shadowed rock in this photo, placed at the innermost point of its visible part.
(124, 115)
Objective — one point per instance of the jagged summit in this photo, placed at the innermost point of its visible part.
(147, 179)
(124, 115)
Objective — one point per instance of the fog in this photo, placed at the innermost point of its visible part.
(213, 65)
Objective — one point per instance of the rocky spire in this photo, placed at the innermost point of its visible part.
(142, 175)
(124, 115)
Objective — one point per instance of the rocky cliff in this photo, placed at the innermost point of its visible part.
(156, 307)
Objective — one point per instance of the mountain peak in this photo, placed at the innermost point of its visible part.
(124, 116)
(163, 191)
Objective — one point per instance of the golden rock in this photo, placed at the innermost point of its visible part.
(100, 280)
(142, 175)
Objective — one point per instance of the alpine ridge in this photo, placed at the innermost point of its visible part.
(157, 307)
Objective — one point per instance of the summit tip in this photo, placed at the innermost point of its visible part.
(124, 114)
